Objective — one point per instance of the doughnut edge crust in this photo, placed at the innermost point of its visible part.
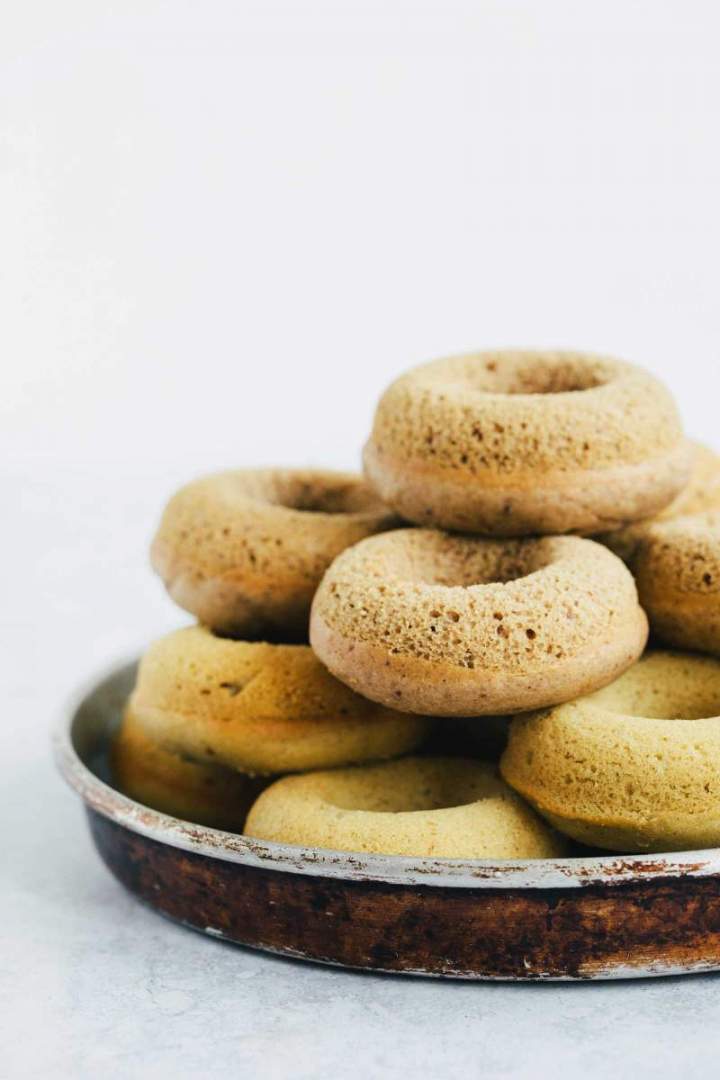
(701, 495)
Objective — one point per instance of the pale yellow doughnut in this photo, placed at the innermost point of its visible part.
(633, 767)
(445, 807)
(260, 708)
(165, 780)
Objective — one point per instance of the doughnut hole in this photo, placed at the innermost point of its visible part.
(431, 784)
(664, 686)
(309, 491)
(460, 562)
(524, 373)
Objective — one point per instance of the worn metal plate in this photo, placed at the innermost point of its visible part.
(591, 917)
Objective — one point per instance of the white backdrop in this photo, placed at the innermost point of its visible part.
(224, 227)
(227, 225)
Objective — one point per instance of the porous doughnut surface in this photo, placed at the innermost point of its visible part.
(633, 767)
(166, 780)
(244, 550)
(260, 708)
(446, 807)
(448, 625)
(513, 443)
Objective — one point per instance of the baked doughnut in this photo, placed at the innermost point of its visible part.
(446, 625)
(165, 780)
(677, 571)
(675, 558)
(702, 491)
(260, 708)
(513, 443)
(633, 767)
(701, 494)
(244, 550)
(445, 807)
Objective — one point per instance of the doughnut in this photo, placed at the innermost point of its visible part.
(675, 558)
(703, 488)
(445, 807)
(244, 551)
(677, 570)
(515, 443)
(259, 707)
(701, 494)
(445, 625)
(165, 780)
(633, 767)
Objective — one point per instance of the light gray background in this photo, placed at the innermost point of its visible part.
(224, 227)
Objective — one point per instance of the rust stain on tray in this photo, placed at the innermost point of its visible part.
(634, 869)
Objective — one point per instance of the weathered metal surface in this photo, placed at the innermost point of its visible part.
(594, 917)
(641, 927)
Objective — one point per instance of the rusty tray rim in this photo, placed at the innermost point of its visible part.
(323, 862)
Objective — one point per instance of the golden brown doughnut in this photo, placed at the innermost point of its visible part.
(677, 570)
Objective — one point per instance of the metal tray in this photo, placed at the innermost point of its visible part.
(595, 917)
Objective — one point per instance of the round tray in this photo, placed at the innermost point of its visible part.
(581, 918)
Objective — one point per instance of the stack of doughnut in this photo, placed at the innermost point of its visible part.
(363, 644)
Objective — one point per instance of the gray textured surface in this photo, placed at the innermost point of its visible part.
(92, 984)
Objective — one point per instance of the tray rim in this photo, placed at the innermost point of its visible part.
(565, 873)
